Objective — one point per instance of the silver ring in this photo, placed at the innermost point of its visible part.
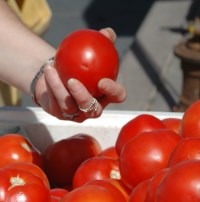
(70, 116)
(92, 107)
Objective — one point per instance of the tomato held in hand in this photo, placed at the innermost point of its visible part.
(62, 158)
(88, 56)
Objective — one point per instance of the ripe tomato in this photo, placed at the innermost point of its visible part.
(17, 148)
(21, 185)
(153, 185)
(62, 158)
(141, 123)
(106, 184)
(91, 193)
(181, 183)
(96, 168)
(186, 149)
(110, 152)
(138, 194)
(57, 193)
(119, 184)
(146, 154)
(34, 169)
(88, 56)
(190, 124)
(172, 124)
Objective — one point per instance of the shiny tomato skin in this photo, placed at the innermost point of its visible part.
(96, 168)
(190, 124)
(62, 158)
(17, 148)
(154, 183)
(88, 56)
(141, 123)
(181, 183)
(34, 169)
(119, 184)
(91, 193)
(187, 149)
(20, 185)
(146, 154)
(58, 192)
(110, 186)
(172, 124)
(138, 194)
(110, 152)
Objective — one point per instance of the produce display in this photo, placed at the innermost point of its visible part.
(150, 159)
(158, 162)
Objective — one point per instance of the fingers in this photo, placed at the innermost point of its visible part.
(115, 92)
(58, 92)
(87, 104)
(109, 33)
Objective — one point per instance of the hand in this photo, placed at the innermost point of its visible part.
(60, 102)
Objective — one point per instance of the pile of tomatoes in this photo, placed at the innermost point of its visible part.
(152, 160)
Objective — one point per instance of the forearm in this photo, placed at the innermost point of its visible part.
(22, 52)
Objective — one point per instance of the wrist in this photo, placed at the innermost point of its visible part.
(39, 79)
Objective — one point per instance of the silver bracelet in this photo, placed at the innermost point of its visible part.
(36, 78)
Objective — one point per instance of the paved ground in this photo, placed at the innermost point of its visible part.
(147, 33)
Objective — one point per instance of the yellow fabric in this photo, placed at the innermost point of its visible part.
(36, 15)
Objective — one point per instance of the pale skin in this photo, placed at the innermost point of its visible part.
(22, 55)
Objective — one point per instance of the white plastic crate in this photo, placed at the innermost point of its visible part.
(43, 129)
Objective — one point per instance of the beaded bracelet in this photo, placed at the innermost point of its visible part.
(36, 78)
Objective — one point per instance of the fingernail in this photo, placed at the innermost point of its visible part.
(73, 84)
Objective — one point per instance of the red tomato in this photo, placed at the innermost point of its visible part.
(119, 184)
(20, 185)
(141, 123)
(58, 192)
(55, 199)
(96, 168)
(181, 183)
(138, 194)
(110, 152)
(91, 193)
(109, 186)
(146, 154)
(186, 149)
(173, 124)
(62, 158)
(153, 185)
(88, 56)
(190, 124)
(17, 148)
(34, 169)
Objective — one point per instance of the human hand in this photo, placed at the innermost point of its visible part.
(76, 103)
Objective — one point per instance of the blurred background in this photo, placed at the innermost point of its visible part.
(147, 30)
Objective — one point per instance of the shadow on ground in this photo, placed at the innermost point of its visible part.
(124, 16)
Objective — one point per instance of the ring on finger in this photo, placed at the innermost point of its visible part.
(70, 116)
(92, 107)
